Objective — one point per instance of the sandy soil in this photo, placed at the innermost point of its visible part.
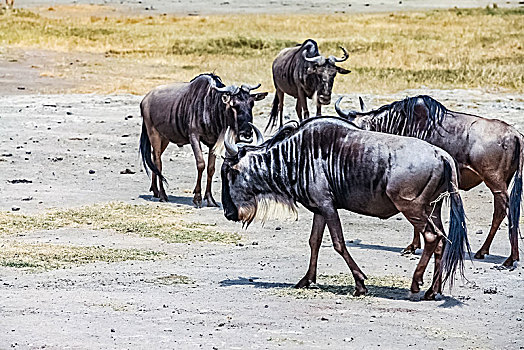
(199, 7)
(241, 295)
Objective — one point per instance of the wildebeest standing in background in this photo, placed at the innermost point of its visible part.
(303, 73)
(191, 113)
(486, 150)
(361, 171)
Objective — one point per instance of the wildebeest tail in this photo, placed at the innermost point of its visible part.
(515, 197)
(274, 114)
(145, 152)
(457, 240)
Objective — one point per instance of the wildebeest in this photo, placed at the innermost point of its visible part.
(486, 150)
(361, 171)
(190, 113)
(303, 73)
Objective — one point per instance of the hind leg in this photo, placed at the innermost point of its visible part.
(438, 228)
(280, 94)
(500, 203)
(157, 154)
(413, 246)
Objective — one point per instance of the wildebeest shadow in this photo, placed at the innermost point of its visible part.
(175, 200)
(378, 291)
(359, 245)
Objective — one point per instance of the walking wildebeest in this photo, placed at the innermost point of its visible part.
(486, 150)
(361, 171)
(190, 113)
(302, 72)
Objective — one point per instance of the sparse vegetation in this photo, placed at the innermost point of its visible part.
(104, 51)
(159, 221)
(389, 286)
(53, 256)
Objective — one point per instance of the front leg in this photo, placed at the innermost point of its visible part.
(199, 157)
(210, 171)
(319, 110)
(335, 230)
(315, 240)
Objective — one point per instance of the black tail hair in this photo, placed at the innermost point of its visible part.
(454, 249)
(145, 151)
(515, 198)
(273, 116)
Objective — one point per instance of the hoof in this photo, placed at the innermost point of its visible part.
(305, 282)
(479, 255)
(409, 250)
(164, 199)
(360, 291)
(197, 201)
(509, 262)
(210, 200)
(413, 296)
(430, 295)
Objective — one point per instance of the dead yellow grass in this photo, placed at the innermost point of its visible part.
(161, 221)
(52, 256)
(388, 52)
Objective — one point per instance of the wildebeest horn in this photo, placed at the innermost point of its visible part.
(231, 148)
(334, 59)
(362, 104)
(248, 88)
(232, 89)
(258, 133)
(350, 115)
(320, 60)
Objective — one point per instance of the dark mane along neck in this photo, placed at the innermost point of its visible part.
(414, 116)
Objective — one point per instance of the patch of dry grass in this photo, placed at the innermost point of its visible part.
(53, 256)
(105, 51)
(388, 286)
(147, 220)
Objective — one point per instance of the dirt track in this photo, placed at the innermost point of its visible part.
(241, 295)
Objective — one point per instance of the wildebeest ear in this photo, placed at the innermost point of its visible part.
(342, 70)
(226, 98)
(260, 96)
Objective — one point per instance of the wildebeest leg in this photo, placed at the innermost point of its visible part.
(159, 145)
(317, 231)
(335, 230)
(415, 244)
(302, 106)
(201, 165)
(280, 94)
(418, 217)
(210, 171)
(500, 203)
(436, 285)
(319, 109)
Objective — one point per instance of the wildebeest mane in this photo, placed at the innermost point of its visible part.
(401, 118)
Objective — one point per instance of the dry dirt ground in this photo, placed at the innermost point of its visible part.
(231, 295)
(203, 7)
(240, 295)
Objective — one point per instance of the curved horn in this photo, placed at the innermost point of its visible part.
(258, 133)
(362, 104)
(248, 88)
(231, 149)
(350, 115)
(334, 59)
(232, 89)
(317, 59)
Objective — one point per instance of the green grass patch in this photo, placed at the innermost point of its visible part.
(148, 220)
(53, 256)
